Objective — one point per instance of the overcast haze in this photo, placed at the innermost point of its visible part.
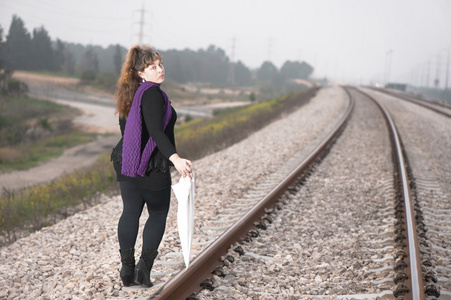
(345, 40)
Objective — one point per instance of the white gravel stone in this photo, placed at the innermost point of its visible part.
(323, 238)
(426, 136)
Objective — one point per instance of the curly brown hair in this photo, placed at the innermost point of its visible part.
(138, 58)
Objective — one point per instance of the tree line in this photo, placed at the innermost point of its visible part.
(37, 52)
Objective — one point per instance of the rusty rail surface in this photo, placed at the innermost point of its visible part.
(187, 281)
(414, 282)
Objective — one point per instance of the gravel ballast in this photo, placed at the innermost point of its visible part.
(335, 235)
(426, 137)
(78, 258)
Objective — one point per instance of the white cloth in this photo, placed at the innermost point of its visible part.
(184, 192)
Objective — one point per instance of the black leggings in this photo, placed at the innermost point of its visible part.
(134, 197)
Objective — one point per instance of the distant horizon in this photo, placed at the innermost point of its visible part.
(349, 41)
(54, 40)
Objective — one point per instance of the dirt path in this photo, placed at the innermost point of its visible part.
(52, 82)
(72, 159)
(97, 117)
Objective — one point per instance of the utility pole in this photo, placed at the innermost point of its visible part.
(447, 70)
(141, 25)
(423, 75)
(414, 76)
(388, 65)
(419, 75)
(231, 75)
(437, 71)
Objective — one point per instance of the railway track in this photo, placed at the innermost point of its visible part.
(402, 278)
(408, 265)
(240, 221)
(435, 106)
(405, 271)
(429, 180)
(333, 234)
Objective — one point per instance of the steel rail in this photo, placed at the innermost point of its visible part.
(188, 280)
(437, 107)
(416, 288)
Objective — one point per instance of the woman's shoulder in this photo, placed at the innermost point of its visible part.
(153, 89)
(153, 93)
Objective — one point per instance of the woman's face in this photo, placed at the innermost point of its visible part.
(153, 73)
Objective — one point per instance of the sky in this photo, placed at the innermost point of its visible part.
(347, 41)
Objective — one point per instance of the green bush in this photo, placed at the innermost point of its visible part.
(88, 76)
(41, 205)
(33, 130)
(200, 137)
(32, 153)
(13, 87)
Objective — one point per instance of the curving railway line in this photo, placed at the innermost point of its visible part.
(429, 173)
(393, 256)
(435, 106)
(253, 208)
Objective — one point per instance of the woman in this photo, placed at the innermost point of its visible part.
(147, 120)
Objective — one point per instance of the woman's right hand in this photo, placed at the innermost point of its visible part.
(184, 166)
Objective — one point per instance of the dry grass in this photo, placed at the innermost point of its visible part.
(200, 137)
(42, 205)
(9, 154)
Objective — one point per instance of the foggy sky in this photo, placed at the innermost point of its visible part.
(346, 40)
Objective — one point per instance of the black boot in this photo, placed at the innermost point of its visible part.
(144, 266)
(128, 266)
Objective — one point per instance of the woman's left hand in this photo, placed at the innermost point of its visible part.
(182, 165)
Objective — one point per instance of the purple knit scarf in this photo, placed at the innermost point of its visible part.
(133, 163)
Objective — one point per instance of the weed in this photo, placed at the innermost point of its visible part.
(44, 204)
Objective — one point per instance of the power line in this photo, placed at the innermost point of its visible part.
(54, 13)
(141, 23)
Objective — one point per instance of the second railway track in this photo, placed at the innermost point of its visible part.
(435, 106)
